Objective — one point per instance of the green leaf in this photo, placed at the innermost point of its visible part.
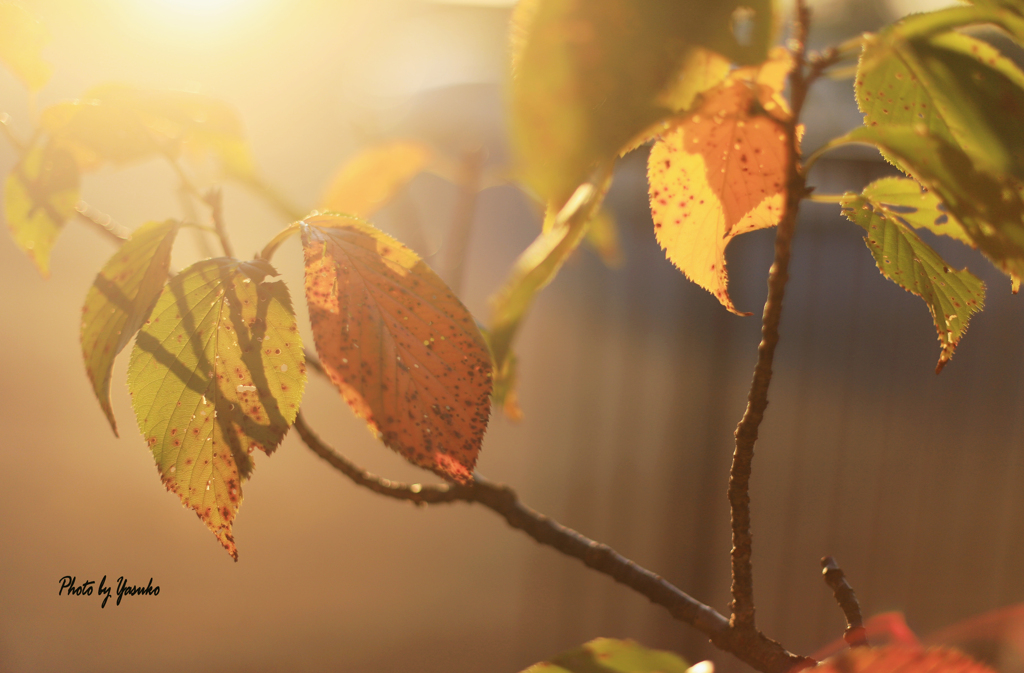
(887, 212)
(22, 39)
(401, 348)
(608, 655)
(536, 267)
(217, 371)
(39, 198)
(118, 124)
(962, 89)
(990, 209)
(588, 76)
(121, 299)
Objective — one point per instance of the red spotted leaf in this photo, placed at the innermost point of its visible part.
(121, 299)
(719, 173)
(404, 352)
(217, 372)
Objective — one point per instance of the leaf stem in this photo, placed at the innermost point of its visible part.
(8, 132)
(761, 653)
(825, 198)
(102, 223)
(270, 248)
(215, 200)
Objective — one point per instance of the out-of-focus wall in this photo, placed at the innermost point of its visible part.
(632, 381)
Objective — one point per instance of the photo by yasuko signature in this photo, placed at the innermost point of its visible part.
(89, 587)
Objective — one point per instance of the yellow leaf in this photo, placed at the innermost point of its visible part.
(374, 177)
(718, 173)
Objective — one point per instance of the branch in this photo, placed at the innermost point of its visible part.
(742, 604)
(763, 654)
(215, 200)
(102, 222)
(855, 634)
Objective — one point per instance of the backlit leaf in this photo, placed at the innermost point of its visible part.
(990, 210)
(22, 38)
(588, 76)
(119, 124)
(538, 265)
(885, 213)
(960, 88)
(902, 659)
(121, 299)
(217, 372)
(608, 655)
(718, 173)
(371, 179)
(401, 348)
(603, 237)
(701, 69)
(39, 198)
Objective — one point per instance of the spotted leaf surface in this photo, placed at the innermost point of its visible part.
(960, 88)
(118, 124)
(22, 39)
(609, 655)
(884, 210)
(371, 179)
(120, 300)
(217, 372)
(901, 658)
(988, 207)
(588, 76)
(39, 198)
(403, 351)
(719, 173)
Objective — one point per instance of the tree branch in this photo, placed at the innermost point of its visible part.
(855, 635)
(742, 604)
(763, 654)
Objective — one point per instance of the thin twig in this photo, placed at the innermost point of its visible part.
(742, 604)
(215, 200)
(855, 635)
(768, 656)
(5, 126)
(462, 223)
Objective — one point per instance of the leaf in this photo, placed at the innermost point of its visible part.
(885, 213)
(403, 351)
(589, 76)
(39, 198)
(538, 265)
(902, 659)
(22, 39)
(718, 173)
(120, 300)
(990, 210)
(217, 371)
(603, 237)
(118, 124)
(371, 179)
(701, 70)
(608, 655)
(960, 88)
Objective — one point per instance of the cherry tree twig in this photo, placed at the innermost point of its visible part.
(765, 656)
(855, 635)
(742, 604)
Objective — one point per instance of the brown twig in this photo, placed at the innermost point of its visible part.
(855, 635)
(215, 200)
(763, 654)
(742, 604)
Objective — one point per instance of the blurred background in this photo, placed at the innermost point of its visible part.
(632, 381)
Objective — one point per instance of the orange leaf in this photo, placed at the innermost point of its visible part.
(903, 659)
(718, 173)
(404, 352)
